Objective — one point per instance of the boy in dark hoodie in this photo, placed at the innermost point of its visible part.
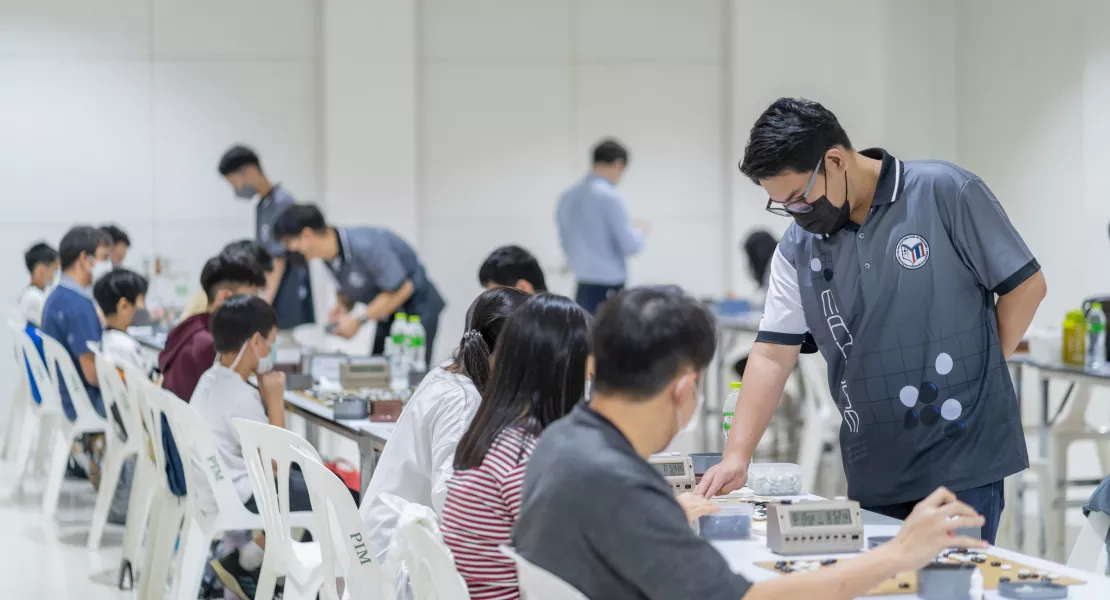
(189, 351)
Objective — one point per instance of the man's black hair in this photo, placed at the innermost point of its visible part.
(117, 235)
(609, 151)
(116, 285)
(81, 238)
(253, 249)
(643, 337)
(292, 221)
(230, 270)
(238, 319)
(509, 264)
(236, 158)
(39, 254)
(791, 136)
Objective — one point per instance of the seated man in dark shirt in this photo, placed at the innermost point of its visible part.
(515, 267)
(597, 515)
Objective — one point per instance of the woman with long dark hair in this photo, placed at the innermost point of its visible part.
(539, 374)
(416, 463)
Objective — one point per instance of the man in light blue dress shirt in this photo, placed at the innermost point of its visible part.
(595, 230)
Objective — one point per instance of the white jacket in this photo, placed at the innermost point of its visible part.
(416, 463)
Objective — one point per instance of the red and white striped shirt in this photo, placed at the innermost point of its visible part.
(481, 507)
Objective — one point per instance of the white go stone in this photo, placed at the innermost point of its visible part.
(951, 409)
(908, 396)
(944, 363)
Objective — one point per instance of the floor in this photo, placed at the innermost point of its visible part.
(49, 560)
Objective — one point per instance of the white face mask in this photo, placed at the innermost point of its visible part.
(101, 268)
(265, 363)
(691, 425)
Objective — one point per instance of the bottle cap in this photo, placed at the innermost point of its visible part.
(400, 316)
(414, 319)
(1097, 305)
(735, 385)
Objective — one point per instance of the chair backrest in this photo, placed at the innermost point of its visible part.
(48, 392)
(62, 367)
(116, 394)
(540, 584)
(263, 446)
(200, 456)
(341, 530)
(1090, 551)
(151, 424)
(430, 564)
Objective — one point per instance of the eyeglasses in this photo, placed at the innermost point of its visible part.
(799, 206)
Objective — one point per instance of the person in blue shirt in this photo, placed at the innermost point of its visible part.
(42, 263)
(595, 231)
(69, 315)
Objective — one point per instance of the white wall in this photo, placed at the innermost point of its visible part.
(118, 111)
(514, 93)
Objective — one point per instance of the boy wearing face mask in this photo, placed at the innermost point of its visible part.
(244, 329)
(596, 514)
(70, 313)
(120, 294)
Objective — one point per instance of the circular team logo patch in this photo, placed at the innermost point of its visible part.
(356, 279)
(912, 251)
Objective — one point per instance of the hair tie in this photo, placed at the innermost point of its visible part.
(472, 333)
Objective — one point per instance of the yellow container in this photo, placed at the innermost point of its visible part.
(1075, 339)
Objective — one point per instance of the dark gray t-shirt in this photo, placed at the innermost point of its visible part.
(602, 519)
(373, 260)
(903, 310)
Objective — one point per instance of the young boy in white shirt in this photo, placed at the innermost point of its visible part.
(120, 294)
(42, 263)
(244, 329)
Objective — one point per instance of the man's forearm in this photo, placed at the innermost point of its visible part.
(764, 378)
(386, 303)
(273, 279)
(848, 579)
(1016, 310)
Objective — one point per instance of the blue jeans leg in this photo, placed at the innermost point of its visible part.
(987, 500)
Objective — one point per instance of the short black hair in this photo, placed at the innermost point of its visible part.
(609, 151)
(230, 270)
(253, 249)
(791, 135)
(292, 221)
(117, 235)
(643, 337)
(116, 285)
(39, 254)
(236, 158)
(238, 319)
(81, 238)
(509, 264)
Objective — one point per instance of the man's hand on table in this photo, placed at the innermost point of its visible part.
(726, 476)
(347, 326)
(931, 528)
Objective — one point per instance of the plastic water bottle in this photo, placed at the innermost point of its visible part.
(417, 343)
(1096, 337)
(395, 352)
(730, 407)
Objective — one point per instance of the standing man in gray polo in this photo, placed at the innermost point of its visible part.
(287, 287)
(916, 288)
(595, 231)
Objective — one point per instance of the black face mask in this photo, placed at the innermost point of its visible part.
(823, 217)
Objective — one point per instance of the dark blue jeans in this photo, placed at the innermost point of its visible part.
(987, 500)
(590, 295)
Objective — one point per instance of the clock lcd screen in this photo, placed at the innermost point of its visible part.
(674, 469)
(820, 518)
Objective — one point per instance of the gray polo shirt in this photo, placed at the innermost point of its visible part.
(373, 260)
(602, 519)
(293, 301)
(595, 232)
(903, 310)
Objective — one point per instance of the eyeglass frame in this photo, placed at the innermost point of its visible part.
(784, 210)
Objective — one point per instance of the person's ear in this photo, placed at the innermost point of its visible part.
(590, 367)
(525, 286)
(221, 296)
(123, 306)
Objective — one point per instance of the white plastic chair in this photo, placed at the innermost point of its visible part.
(35, 420)
(539, 584)
(341, 533)
(430, 564)
(65, 432)
(822, 420)
(166, 510)
(205, 472)
(1089, 552)
(117, 449)
(263, 446)
(21, 396)
(145, 485)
